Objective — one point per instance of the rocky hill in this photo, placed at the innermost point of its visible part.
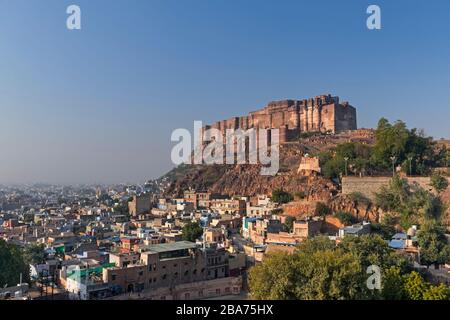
(246, 179)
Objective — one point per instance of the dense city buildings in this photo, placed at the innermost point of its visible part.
(157, 242)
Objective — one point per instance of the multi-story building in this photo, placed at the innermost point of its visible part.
(140, 204)
(307, 228)
(228, 206)
(168, 265)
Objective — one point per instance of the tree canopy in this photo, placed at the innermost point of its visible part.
(191, 231)
(12, 264)
(408, 204)
(34, 254)
(321, 270)
(412, 149)
(280, 196)
(433, 244)
(439, 182)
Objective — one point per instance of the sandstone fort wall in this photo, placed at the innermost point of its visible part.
(320, 114)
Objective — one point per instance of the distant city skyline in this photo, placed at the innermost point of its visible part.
(98, 105)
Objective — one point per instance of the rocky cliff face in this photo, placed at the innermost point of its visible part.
(362, 211)
(247, 180)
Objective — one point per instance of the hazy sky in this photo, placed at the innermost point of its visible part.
(99, 104)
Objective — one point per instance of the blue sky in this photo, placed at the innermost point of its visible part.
(99, 104)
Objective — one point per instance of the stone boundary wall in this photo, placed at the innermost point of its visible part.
(368, 186)
(189, 291)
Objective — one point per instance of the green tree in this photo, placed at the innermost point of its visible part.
(411, 204)
(433, 244)
(273, 279)
(373, 250)
(191, 231)
(320, 270)
(34, 254)
(328, 275)
(439, 182)
(386, 231)
(280, 196)
(289, 223)
(393, 284)
(12, 264)
(322, 209)
(323, 275)
(345, 218)
(439, 292)
(414, 286)
(318, 243)
(397, 140)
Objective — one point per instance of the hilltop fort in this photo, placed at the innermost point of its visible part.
(319, 114)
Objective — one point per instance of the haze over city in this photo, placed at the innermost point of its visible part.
(98, 105)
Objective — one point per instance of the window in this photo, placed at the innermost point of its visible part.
(194, 272)
(163, 298)
(187, 296)
(164, 276)
(227, 289)
(217, 291)
(141, 273)
(175, 265)
(113, 277)
(186, 273)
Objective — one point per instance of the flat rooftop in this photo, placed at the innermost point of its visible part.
(164, 247)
